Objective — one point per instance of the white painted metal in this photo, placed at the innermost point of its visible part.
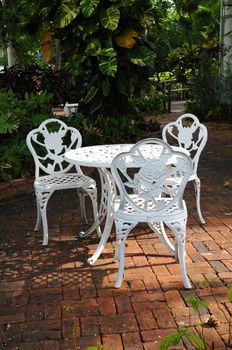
(146, 196)
(48, 144)
(70, 109)
(101, 157)
(187, 132)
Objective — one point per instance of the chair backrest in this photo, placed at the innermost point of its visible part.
(48, 144)
(149, 170)
(189, 133)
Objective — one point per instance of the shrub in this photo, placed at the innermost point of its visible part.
(211, 92)
(36, 79)
(17, 118)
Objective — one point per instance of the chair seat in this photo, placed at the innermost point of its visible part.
(129, 213)
(63, 181)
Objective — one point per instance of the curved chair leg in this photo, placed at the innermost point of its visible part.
(158, 228)
(197, 186)
(179, 230)
(42, 198)
(122, 231)
(92, 192)
(38, 218)
(81, 196)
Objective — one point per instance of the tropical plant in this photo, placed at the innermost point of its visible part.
(106, 48)
(211, 96)
(194, 30)
(17, 118)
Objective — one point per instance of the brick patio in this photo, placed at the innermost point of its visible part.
(51, 299)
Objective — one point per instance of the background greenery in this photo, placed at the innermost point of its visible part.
(111, 57)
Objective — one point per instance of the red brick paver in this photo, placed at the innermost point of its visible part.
(51, 299)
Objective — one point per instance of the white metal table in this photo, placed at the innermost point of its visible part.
(101, 157)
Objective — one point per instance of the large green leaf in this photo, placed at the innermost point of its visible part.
(108, 52)
(109, 18)
(88, 7)
(90, 94)
(141, 57)
(196, 340)
(108, 67)
(93, 47)
(68, 14)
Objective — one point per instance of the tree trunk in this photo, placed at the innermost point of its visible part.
(226, 36)
(57, 55)
(11, 54)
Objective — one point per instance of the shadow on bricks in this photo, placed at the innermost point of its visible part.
(50, 298)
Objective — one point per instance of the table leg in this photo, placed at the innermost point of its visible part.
(105, 211)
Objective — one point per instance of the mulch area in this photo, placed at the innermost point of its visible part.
(50, 298)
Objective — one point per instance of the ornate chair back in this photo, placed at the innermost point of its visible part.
(145, 170)
(189, 133)
(48, 144)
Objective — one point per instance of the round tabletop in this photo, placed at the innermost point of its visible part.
(96, 156)
(101, 156)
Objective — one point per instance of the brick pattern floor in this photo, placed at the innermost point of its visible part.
(51, 299)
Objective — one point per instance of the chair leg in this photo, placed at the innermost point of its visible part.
(158, 228)
(197, 187)
(42, 199)
(122, 231)
(81, 195)
(38, 218)
(92, 192)
(179, 230)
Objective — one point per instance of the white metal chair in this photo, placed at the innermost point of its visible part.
(189, 133)
(145, 196)
(48, 144)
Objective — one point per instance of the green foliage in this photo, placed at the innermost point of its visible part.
(24, 79)
(104, 74)
(17, 118)
(195, 31)
(150, 102)
(229, 293)
(12, 26)
(211, 95)
(175, 338)
(10, 109)
(196, 303)
(104, 129)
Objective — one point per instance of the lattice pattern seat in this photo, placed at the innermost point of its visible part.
(64, 181)
(144, 196)
(187, 132)
(149, 207)
(48, 144)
